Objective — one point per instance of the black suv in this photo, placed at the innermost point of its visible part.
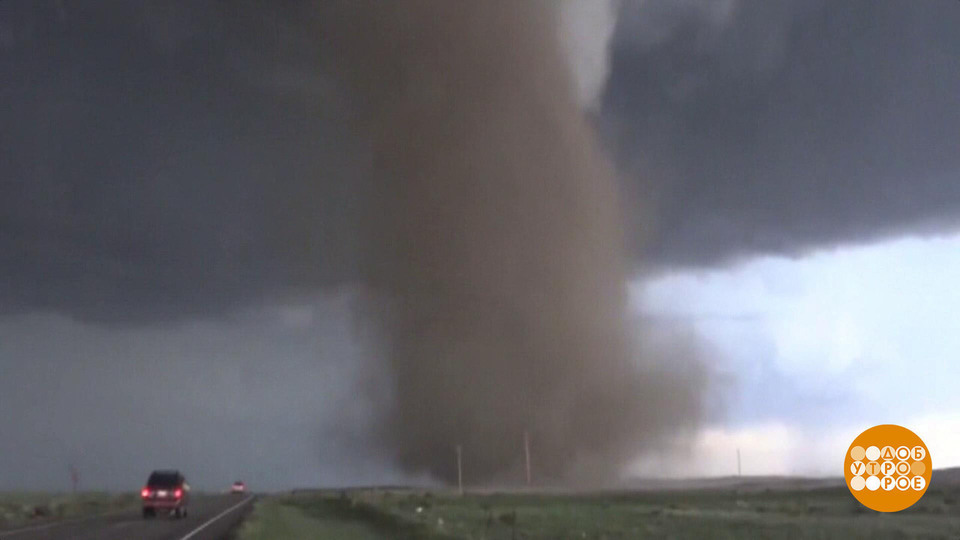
(166, 491)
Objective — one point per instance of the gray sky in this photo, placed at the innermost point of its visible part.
(153, 266)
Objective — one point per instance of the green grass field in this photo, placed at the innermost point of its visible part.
(820, 513)
(277, 518)
(20, 508)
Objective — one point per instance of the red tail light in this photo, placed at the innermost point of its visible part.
(178, 493)
(145, 492)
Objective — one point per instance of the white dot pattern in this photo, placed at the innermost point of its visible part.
(873, 474)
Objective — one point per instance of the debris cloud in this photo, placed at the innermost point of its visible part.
(495, 234)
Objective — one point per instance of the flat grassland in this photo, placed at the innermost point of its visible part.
(28, 508)
(818, 512)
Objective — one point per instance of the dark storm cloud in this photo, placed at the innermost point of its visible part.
(153, 154)
(777, 126)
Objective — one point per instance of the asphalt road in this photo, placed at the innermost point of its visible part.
(209, 518)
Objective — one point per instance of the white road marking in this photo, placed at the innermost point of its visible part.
(210, 521)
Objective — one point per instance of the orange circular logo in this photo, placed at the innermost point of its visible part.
(887, 468)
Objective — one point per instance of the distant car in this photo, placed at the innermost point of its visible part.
(238, 487)
(166, 491)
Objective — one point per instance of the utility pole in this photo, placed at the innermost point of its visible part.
(460, 469)
(526, 452)
(74, 478)
(738, 463)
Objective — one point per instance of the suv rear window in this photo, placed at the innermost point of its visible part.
(164, 479)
